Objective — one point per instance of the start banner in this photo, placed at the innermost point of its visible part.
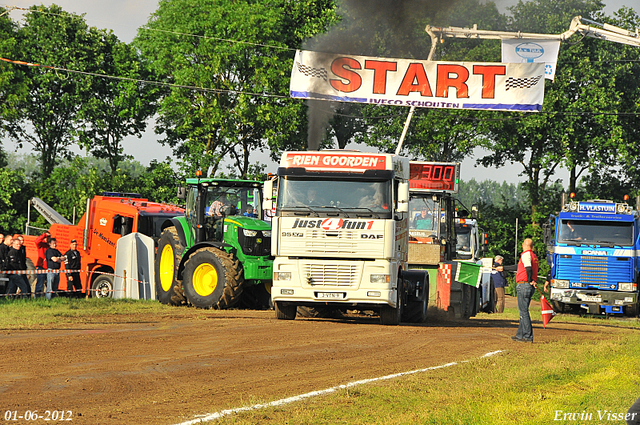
(419, 83)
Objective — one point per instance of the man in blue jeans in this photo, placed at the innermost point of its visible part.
(526, 277)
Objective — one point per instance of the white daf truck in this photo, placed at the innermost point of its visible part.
(340, 235)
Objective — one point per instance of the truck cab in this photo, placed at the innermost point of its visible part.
(340, 233)
(593, 254)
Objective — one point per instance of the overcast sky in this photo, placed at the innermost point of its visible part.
(124, 17)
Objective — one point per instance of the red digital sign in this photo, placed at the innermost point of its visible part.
(434, 176)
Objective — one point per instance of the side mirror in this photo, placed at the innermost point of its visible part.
(182, 192)
(267, 195)
(403, 197)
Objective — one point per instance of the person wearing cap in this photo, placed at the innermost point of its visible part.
(73, 262)
(499, 282)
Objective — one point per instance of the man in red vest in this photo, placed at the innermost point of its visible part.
(526, 276)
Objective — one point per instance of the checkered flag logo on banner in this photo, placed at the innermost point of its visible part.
(521, 83)
(312, 72)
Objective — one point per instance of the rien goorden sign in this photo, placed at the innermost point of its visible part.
(327, 161)
(420, 83)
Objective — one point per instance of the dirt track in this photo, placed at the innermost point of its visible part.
(167, 369)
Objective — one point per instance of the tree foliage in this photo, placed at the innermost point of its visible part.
(239, 53)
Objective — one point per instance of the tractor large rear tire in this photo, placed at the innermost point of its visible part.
(168, 287)
(213, 278)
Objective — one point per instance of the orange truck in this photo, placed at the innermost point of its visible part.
(107, 218)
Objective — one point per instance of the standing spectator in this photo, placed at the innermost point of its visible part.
(526, 276)
(547, 281)
(5, 244)
(499, 282)
(16, 261)
(73, 262)
(54, 261)
(24, 253)
(42, 244)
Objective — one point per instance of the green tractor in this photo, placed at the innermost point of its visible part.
(218, 255)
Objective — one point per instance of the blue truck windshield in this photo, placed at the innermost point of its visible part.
(591, 232)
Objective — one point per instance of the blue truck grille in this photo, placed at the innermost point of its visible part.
(595, 271)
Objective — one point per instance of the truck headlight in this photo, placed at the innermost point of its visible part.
(560, 283)
(281, 275)
(250, 233)
(380, 278)
(627, 286)
(266, 233)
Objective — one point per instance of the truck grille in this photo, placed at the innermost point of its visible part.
(343, 275)
(591, 270)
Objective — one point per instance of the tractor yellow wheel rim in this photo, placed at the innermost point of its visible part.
(166, 267)
(205, 279)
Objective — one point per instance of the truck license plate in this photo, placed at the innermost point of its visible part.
(331, 295)
(592, 298)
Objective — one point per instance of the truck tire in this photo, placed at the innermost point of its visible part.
(102, 287)
(557, 306)
(416, 311)
(168, 287)
(392, 315)
(212, 279)
(285, 312)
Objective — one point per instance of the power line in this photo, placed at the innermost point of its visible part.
(157, 83)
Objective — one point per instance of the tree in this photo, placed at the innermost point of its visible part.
(234, 57)
(119, 107)
(54, 37)
(12, 84)
(543, 142)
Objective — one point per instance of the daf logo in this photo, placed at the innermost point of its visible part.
(529, 51)
(366, 236)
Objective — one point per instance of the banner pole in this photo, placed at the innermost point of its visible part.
(432, 51)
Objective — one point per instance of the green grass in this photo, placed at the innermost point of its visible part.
(33, 313)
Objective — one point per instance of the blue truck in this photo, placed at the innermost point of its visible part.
(592, 248)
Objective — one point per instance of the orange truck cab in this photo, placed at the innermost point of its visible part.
(107, 219)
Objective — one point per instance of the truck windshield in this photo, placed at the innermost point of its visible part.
(591, 232)
(463, 239)
(243, 200)
(424, 214)
(350, 196)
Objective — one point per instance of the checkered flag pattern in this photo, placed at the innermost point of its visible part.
(445, 271)
(521, 83)
(312, 72)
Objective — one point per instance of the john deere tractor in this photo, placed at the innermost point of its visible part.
(218, 254)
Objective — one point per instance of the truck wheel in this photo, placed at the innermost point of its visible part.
(168, 287)
(416, 311)
(631, 310)
(102, 287)
(212, 279)
(285, 312)
(558, 307)
(392, 315)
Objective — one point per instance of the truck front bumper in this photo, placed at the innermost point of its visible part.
(593, 296)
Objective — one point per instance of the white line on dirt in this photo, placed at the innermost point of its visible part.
(220, 414)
